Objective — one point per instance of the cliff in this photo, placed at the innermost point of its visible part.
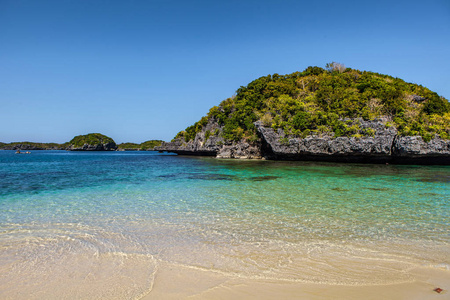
(383, 146)
(207, 144)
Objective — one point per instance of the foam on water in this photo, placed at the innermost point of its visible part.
(98, 225)
(71, 261)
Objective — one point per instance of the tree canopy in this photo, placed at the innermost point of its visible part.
(90, 139)
(148, 145)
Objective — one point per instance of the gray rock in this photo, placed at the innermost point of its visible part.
(242, 150)
(415, 146)
(214, 145)
(383, 146)
(97, 147)
(200, 145)
(379, 144)
(417, 98)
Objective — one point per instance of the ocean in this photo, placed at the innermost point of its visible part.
(101, 225)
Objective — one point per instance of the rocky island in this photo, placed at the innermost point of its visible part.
(87, 142)
(332, 114)
(31, 146)
(92, 142)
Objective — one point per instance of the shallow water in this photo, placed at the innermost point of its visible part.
(98, 225)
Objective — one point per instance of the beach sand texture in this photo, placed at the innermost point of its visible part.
(175, 282)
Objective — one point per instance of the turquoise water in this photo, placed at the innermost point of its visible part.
(90, 225)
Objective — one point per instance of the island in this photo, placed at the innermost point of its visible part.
(87, 142)
(32, 146)
(145, 146)
(92, 142)
(324, 114)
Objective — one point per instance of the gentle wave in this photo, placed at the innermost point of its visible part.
(69, 261)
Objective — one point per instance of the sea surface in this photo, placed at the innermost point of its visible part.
(85, 225)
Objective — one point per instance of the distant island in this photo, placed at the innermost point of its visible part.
(31, 146)
(145, 146)
(88, 142)
(92, 142)
(331, 114)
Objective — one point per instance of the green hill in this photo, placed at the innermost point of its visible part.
(31, 146)
(323, 101)
(90, 139)
(93, 142)
(148, 145)
(129, 146)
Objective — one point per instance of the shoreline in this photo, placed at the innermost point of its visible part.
(432, 160)
(183, 282)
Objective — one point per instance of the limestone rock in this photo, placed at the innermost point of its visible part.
(414, 146)
(377, 145)
(383, 145)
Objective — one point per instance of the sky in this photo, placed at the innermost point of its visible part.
(140, 70)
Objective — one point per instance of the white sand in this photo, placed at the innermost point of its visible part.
(179, 282)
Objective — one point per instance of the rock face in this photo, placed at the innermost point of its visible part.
(414, 146)
(379, 144)
(111, 146)
(376, 147)
(212, 145)
(382, 146)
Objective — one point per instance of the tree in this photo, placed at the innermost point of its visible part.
(334, 66)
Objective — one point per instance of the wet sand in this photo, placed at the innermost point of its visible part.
(180, 282)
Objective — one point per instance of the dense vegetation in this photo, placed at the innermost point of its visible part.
(148, 145)
(328, 102)
(31, 145)
(90, 139)
(79, 141)
(129, 146)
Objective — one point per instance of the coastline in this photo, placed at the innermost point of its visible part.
(181, 282)
(384, 146)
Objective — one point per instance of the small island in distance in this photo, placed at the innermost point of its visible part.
(88, 142)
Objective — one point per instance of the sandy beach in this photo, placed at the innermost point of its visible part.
(178, 282)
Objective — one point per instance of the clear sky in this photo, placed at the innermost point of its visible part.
(139, 70)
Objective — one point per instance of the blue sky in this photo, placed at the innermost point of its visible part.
(139, 70)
